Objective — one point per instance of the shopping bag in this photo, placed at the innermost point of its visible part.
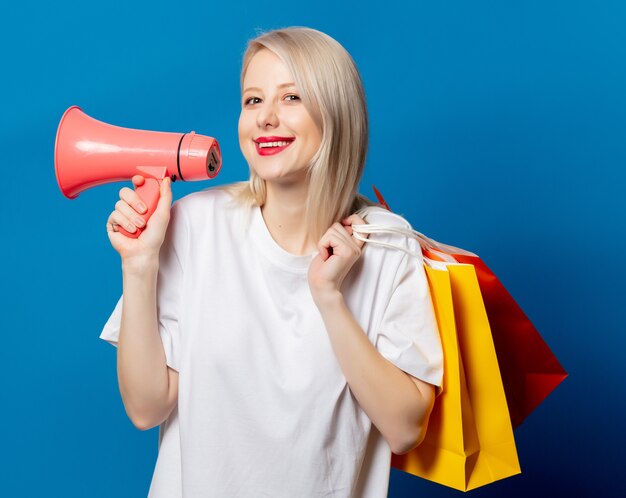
(529, 369)
(469, 441)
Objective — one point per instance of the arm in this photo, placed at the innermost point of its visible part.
(148, 387)
(397, 403)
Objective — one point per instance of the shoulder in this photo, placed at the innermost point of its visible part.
(210, 204)
(390, 236)
(376, 215)
(203, 200)
(209, 214)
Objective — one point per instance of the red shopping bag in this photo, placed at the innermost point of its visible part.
(529, 369)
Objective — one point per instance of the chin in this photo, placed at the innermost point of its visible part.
(282, 177)
(277, 172)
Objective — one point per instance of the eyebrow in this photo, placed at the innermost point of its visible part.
(257, 89)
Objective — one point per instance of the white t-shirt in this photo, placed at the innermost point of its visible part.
(264, 409)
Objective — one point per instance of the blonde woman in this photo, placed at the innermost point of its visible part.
(279, 356)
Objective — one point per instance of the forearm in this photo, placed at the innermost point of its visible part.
(388, 396)
(141, 363)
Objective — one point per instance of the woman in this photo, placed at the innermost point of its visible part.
(279, 357)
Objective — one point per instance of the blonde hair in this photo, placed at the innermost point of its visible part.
(331, 89)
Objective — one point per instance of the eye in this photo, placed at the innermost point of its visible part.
(292, 97)
(252, 100)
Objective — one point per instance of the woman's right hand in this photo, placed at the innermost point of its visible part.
(142, 251)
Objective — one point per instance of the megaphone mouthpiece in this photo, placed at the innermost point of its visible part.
(198, 157)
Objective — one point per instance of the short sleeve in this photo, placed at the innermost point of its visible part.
(169, 289)
(408, 335)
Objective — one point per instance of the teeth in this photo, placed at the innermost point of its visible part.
(263, 145)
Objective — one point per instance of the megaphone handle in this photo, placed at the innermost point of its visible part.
(149, 192)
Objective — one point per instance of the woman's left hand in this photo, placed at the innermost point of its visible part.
(338, 251)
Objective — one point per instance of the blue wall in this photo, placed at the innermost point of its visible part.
(496, 126)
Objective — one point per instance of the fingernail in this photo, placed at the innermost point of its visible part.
(142, 207)
(138, 222)
(131, 228)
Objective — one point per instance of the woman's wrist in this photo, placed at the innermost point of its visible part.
(328, 301)
(143, 265)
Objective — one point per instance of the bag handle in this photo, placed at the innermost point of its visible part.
(427, 250)
(357, 230)
(431, 249)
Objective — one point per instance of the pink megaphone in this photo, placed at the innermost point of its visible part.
(89, 152)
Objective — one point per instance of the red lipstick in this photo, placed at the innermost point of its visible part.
(268, 146)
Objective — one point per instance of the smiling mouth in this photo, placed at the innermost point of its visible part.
(267, 147)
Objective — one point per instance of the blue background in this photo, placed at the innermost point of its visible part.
(496, 126)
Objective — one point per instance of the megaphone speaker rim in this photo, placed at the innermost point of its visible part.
(56, 151)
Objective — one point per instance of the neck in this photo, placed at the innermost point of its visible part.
(284, 215)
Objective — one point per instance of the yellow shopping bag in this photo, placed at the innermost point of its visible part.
(469, 441)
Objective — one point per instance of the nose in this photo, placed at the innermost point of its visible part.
(267, 116)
